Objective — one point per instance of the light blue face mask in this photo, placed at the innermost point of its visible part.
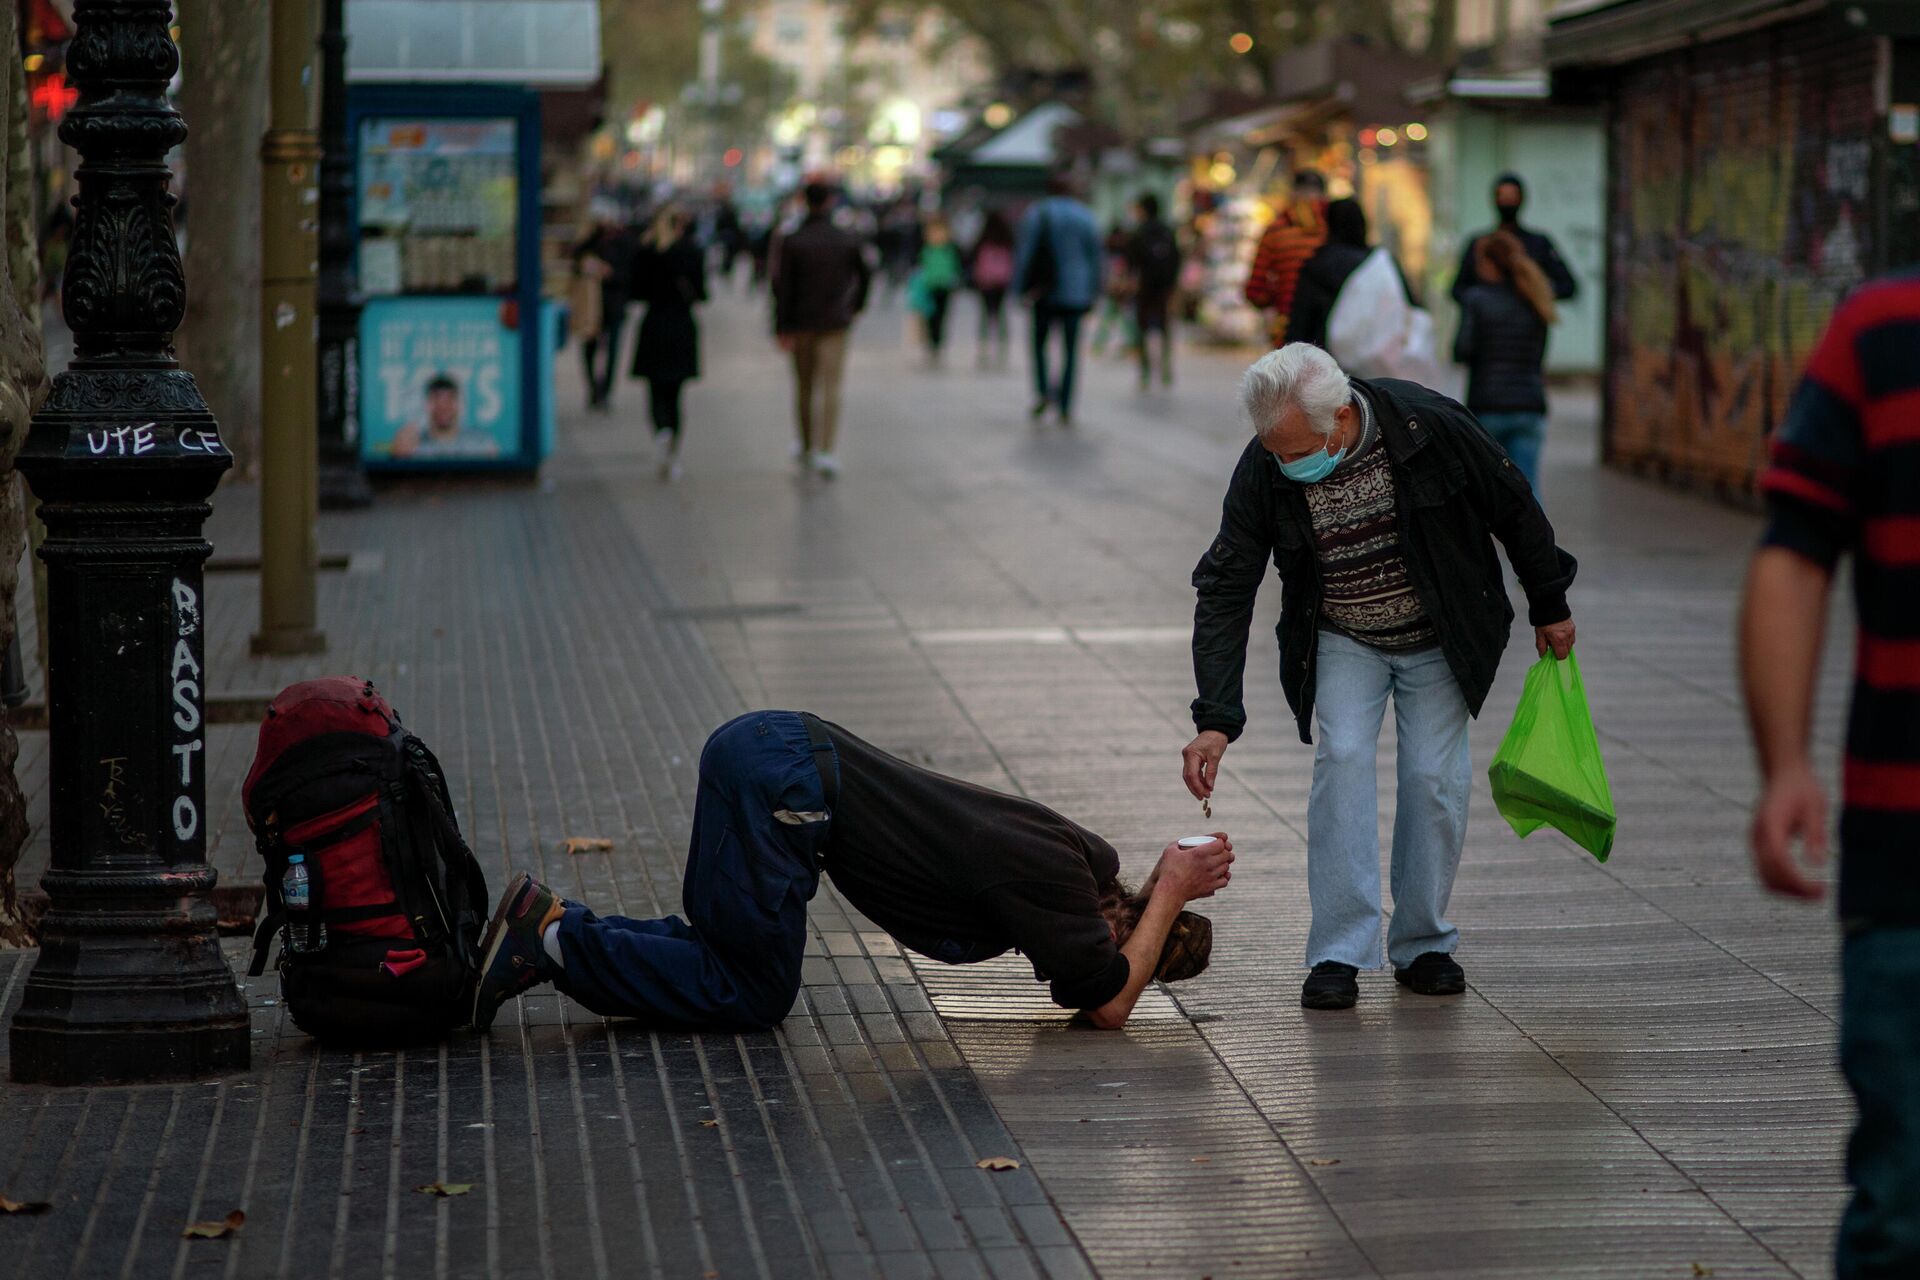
(1314, 467)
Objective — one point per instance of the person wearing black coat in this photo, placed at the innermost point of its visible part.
(1509, 194)
(607, 255)
(1502, 340)
(1326, 272)
(670, 278)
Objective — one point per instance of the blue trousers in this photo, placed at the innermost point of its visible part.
(1880, 1054)
(759, 820)
(1521, 435)
(1047, 317)
(1343, 808)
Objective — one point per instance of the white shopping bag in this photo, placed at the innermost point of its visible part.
(1374, 332)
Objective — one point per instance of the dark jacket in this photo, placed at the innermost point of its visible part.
(1455, 488)
(1319, 285)
(615, 248)
(669, 282)
(1539, 248)
(820, 280)
(1503, 342)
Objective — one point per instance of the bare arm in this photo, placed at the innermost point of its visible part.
(1181, 876)
(1781, 625)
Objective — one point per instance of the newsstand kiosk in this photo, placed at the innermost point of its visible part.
(456, 343)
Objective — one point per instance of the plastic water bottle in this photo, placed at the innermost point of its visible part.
(296, 893)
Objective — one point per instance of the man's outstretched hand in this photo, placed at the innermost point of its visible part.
(1200, 762)
(1195, 873)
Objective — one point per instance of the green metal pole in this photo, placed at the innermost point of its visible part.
(289, 253)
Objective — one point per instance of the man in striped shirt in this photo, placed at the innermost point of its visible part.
(1845, 476)
(1289, 240)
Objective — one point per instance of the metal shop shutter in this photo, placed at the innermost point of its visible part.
(1738, 215)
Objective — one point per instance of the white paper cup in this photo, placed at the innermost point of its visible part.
(1195, 842)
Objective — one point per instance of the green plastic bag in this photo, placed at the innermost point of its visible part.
(1548, 771)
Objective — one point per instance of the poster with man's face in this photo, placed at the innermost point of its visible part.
(440, 380)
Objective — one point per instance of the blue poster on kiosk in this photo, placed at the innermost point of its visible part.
(453, 344)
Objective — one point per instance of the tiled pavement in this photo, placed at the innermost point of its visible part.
(1639, 1082)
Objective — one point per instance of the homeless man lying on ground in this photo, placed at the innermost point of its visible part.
(954, 871)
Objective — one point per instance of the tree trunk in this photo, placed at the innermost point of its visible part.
(223, 95)
(23, 381)
(1443, 32)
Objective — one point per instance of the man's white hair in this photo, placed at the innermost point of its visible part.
(1296, 374)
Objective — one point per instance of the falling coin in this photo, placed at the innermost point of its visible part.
(1206, 807)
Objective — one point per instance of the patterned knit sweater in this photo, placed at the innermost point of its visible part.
(1364, 587)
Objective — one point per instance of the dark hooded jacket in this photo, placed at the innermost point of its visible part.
(1458, 491)
(1326, 272)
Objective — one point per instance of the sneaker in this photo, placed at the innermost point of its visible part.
(1433, 974)
(1331, 985)
(826, 465)
(1038, 411)
(512, 955)
(1065, 418)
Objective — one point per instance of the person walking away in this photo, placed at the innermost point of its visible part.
(727, 233)
(1509, 194)
(1299, 228)
(820, 282)
(990, 270)
(670, 278)
(603, 263)
(1503, 342)
(940, 276)
(1057, 269)
(1380, 516)
(1153, 260)
(1844, 477)
(1326, 272)
(1115, 294)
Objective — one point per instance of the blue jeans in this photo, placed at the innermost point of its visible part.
(1343, 809)
(735, 960)
(1045, 317)
(1520, 434)
(1880, 1054)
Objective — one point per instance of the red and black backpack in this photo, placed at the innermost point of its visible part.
(400, 896)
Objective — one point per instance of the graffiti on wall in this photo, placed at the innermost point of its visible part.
(1740, 215)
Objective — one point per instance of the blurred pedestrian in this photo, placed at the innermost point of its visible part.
(820, 284)
(669, 278)
(1116, 293)
(1153, 260)
(1299, 228)
(1845, 477)
(1509, 194)
(1057, 269)
(990, 271)
(1380, 517)
(728, 236)
(936, 278)
(1502, 340)
(1325, 273)
(602, 266)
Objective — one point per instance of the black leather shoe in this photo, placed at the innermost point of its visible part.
(1432, 974)
(1331, 985)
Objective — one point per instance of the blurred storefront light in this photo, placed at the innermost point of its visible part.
(1241, 42)
(1386, 137)
(1415, 132)
(998, 116)
(1222, 174)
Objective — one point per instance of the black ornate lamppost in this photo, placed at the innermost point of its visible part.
(342, 483)
(130, 984)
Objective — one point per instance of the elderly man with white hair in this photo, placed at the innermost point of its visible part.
(1378, 502)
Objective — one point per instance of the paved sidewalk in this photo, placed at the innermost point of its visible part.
(1639, 1083)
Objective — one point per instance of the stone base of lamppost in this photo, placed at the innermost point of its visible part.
(130, 985)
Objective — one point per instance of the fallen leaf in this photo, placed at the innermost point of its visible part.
(589, 844)
(23, 1206)
(445, 1189)
(216, 1230)
(1699, 1270)
(1201, 1160)
(1320, 1161)
(997, 1163)
(709, 1124)
(356, 1132)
